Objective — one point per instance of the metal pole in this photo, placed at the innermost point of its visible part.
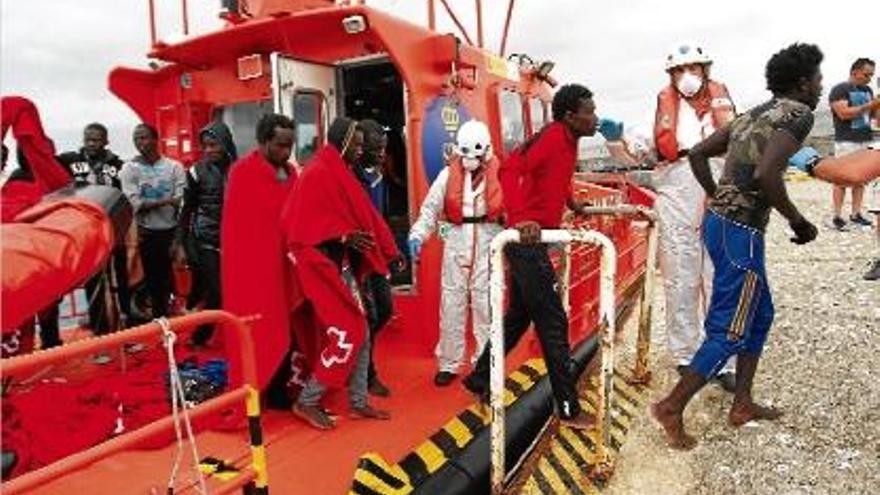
(606, 308)
(457, 22)
(607, 272)
(506, 28)
(152, 23)
(185, 18)
(565, 278)
(641, 373)
(479, 23)
(496, 356)
(431, 15)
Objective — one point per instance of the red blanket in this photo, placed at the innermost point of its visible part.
(22, 117)
(253, 263)
(331, 203)
(327, 203)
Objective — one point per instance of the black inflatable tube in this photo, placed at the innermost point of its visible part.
(469, 472)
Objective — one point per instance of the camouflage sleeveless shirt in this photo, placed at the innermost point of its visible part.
(738, 197)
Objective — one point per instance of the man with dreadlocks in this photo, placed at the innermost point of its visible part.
(336, 240)
(536, 182)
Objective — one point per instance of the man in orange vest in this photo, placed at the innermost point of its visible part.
(465, 200)
(689, 109)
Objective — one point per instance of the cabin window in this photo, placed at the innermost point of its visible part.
(242, 121)
(308, 122)
(538, 114)
(512, 125)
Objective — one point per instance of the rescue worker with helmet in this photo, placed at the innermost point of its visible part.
(465, 206)
(689, 109)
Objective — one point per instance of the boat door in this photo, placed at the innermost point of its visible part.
(305, 92)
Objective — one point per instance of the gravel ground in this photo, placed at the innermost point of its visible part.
(817, 367)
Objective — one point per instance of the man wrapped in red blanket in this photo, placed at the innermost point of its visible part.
(335, 238)
(253, 264)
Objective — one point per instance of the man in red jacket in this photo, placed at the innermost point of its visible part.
(537, 185)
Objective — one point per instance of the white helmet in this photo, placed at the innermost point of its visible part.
(686, 54)
(472, 140)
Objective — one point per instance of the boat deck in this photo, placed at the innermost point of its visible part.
(300, 458)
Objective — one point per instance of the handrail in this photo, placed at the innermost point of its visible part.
(248, 392)
(606, 321)
(641, 373)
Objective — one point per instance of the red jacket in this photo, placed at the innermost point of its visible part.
(537, 183)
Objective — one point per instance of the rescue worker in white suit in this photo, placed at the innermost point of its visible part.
(689, 109)
(464, 205)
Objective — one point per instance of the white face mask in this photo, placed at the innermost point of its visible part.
(470, 164)
(689, 84)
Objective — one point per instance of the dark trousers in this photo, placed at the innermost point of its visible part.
(155, 248)
(379, 309)
(99, 317)
(208, 273)
(533, 299)
(50, 336)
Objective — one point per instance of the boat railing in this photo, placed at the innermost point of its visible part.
(254, 475)
(607, 317)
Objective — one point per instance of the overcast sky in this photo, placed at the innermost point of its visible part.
(59, 52)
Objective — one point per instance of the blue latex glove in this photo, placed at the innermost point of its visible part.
(415, 247)
(612, 130)
(805, 159)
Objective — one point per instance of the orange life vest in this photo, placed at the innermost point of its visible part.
(712, 98)
(453, 202)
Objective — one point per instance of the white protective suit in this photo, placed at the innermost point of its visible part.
(465, 268)
(685, 266)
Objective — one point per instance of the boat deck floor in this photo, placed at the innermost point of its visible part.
(301, 459)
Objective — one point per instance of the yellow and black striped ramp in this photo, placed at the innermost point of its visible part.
(563, 464)
(374, 476)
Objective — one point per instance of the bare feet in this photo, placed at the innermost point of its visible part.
(741, 414)
(674, 426)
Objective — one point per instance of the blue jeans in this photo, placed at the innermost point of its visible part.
(741, 308)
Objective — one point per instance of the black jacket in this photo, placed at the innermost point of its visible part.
(206, 186)
(101, 170)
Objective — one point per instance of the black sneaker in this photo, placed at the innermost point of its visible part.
(478, 390)
(874, 272)
(444, 378)
(838, 224)
(858, 219)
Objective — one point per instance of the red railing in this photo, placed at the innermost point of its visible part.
(247, 392)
